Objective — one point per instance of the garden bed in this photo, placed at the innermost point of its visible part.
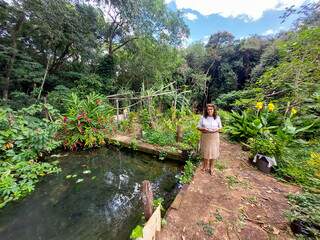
(161, 152)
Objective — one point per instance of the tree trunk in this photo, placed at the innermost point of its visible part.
(44, 77)
(206, 87)
(7, 75)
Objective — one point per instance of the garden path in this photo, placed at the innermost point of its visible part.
(239, 202)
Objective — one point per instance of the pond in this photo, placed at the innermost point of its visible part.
(96, 196)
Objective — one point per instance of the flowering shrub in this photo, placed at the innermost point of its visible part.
(264, 121)
(86, 122)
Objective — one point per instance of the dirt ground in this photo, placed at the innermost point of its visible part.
(239, 202)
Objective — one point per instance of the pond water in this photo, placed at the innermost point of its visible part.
(96, 196)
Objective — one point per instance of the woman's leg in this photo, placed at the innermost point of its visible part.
(211, 166)
(205, 164)
(208, 165)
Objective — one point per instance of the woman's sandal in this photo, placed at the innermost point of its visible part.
(211, 172)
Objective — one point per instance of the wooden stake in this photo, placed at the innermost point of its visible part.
(147, 199)
(179, 134)
(117, 104)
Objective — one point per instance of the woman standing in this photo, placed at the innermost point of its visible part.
(209, 125)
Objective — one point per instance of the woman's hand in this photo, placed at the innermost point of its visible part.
(204, 130)
(214, 130)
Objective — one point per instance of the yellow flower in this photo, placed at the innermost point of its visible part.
(8, 145)
(314, 162)
(293, 111)
(259, 105)
(271, 107)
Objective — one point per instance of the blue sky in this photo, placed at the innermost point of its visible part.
(240, 17)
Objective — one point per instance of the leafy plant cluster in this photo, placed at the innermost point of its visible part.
(268, 146)
(159, 137)
(24, 137)
(188, 172)
(160, 131)
(271, 132)
(191, 135)
(164, 133)
(87, 121)
(289, 129)
(306, 208)
(300, 164)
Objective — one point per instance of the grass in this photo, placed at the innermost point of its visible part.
(251, 199)
(206, 227)
(219, 166)
(232, 181)
(218, 216)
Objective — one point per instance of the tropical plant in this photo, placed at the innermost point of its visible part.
(24, 137)
(247, 124)
(87, 121)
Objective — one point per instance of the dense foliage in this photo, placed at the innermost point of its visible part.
(86, 122)
(25, 136)
(76, 54)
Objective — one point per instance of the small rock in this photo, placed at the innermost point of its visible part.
(275, 231)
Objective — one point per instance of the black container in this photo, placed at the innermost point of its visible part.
(262, 164)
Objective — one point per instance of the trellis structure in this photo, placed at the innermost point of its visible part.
(139, 99)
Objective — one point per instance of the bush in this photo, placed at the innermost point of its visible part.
(18, 100)
(23, 138)
(191, 134)
(144, 118)
(267, 146)
(57, 97)
(264, 121)
(87, 121)
(306, 207)
(188, 171)
(239, 99)
(299, 164)
(161, 138)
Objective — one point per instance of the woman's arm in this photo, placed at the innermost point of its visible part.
(204, 130)
(200, 126)
(219, 125)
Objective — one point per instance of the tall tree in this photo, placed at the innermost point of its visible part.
(52, 33)
(13, 17)
(129, 19)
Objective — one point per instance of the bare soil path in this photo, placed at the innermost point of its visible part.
(239, 202)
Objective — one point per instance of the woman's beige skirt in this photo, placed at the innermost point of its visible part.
(210, 145)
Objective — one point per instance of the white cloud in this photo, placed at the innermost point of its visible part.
(273, 31)
(186, 42)
(234, 8)
(205, 39)
(191, 16)
(269, 32)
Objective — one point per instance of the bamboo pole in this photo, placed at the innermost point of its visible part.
(117, 104)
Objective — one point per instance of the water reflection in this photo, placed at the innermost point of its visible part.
(106, 205)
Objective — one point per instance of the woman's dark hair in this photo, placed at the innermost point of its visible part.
(205, 112)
